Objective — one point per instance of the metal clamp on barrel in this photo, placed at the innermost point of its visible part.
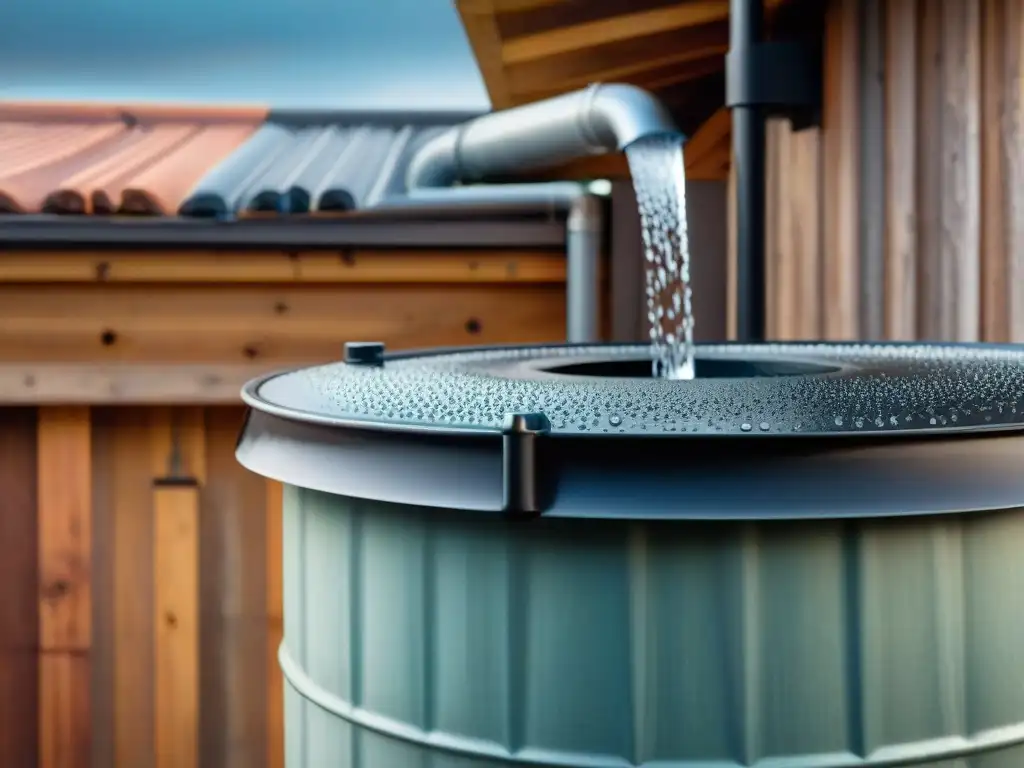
(782, 77)
(522, 492)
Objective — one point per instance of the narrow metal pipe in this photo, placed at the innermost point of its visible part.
(596, 120)
(746, 24)
(584, 214)
(585, 228)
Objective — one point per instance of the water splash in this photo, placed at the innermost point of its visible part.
(659, 179)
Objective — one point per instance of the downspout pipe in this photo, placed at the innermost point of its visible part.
(597, 120)
(749, 149)
(594, 121)
(582, 208)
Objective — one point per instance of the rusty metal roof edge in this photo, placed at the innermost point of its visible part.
(29, 231)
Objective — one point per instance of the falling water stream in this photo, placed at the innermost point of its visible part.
(659, 179)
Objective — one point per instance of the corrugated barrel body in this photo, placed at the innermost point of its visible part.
(426, 637)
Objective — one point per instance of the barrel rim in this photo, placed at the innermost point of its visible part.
(531, 474)
(531, 363)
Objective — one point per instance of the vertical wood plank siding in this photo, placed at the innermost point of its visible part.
(902, 217)
(88, 520)
(64, 539)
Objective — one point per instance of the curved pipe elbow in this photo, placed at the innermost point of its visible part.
(593, 121)
(436, 163)
(622, 114)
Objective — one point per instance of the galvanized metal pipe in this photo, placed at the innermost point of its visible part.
(585, 229)
(597, 120)
(593, 121)
(584, 214)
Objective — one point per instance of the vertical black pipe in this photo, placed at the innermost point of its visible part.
(746, 25)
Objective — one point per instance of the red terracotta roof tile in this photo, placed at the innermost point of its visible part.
(66, 158)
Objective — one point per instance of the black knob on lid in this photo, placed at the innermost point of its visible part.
(364, 353)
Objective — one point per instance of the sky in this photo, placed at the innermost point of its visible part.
(290, 54)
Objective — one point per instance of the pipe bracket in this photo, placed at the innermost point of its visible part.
(782, 77)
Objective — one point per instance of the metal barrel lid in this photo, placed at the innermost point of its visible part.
(765, 431)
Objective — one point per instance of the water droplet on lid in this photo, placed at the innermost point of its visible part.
(615, 420)
(765, 426)
(745, 427)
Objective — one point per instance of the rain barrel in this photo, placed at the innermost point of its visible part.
(811, 556)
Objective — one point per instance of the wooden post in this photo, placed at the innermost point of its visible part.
(64, 476)
(176, 617)
(179, 467)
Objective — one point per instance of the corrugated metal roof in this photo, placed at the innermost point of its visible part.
(74, 159)
(303, 169)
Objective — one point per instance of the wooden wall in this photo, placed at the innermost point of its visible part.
(902, 217)
(111, 651)
(174, 327)
(139, 563)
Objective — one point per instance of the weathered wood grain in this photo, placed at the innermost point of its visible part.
(64, 493)
(921, 168)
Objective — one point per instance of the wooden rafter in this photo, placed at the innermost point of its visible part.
(478, 18)
(613, 30)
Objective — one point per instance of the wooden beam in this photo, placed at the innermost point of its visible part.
(128, 483)
(178, 466)
(124, 384)
(513, 6)
(478, 18)
(662, 79)
(270, 325)
(583, 65)
(307, 267)
(611, 30)
(176, 622)
(654, 79)
(64, 490)
(524, 82)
